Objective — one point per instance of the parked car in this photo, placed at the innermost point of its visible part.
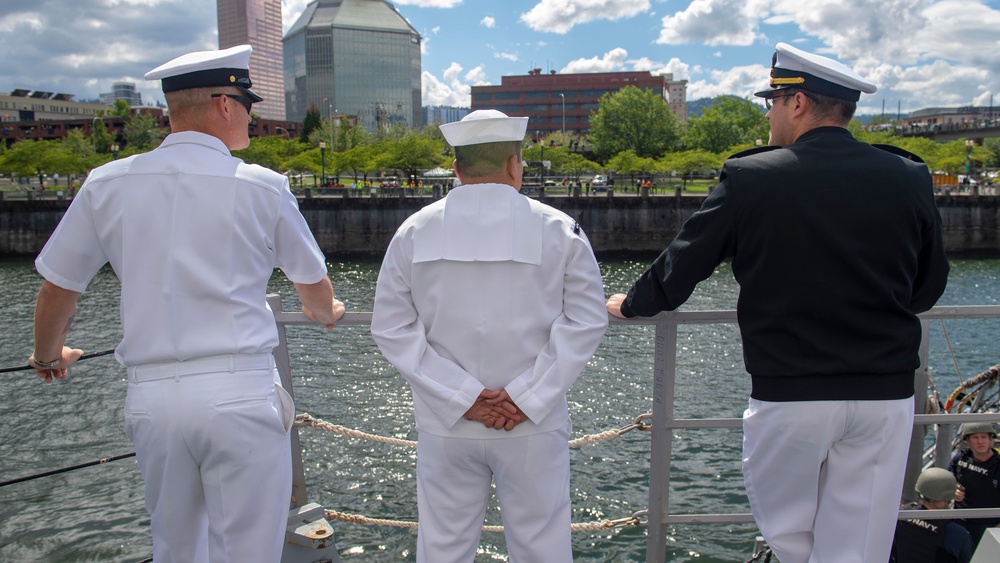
(600, 183)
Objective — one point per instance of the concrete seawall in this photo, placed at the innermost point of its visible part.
(362, 226)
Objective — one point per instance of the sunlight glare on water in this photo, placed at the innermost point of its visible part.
(97, 514)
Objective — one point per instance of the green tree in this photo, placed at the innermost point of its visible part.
(310, 123)
(305, 161)
(627, 163)
(992, 144)
(413, 153)
(38, 158)
(142, 133)
(270, 152)
(730, 121)
(78, 144)
(121, 109)
(101, 138)
(687, 163)
(361, 159)
(634, 119)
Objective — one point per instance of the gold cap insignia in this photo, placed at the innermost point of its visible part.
(787, 81)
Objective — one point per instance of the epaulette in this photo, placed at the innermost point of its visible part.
(899, 152)
(754, 150)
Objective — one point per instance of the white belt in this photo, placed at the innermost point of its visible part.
(208, 364)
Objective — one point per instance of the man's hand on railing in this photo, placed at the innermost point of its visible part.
(614, 305)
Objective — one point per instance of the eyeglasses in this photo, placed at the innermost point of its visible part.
(245, 100)
(769, 102)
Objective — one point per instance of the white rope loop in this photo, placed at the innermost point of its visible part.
(306, 419)
(641, 423)
(634, 520)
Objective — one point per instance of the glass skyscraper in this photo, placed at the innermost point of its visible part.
(257, 23)
(357, 58)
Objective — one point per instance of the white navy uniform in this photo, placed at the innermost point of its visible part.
(487, 289)
(194, 235)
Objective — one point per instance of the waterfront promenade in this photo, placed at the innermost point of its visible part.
(361, 224)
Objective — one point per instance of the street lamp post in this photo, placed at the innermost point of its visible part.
(114, 151)
(333, 146)
(969, 143)
(322, 159)
(563, 96)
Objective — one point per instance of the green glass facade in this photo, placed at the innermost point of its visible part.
(354, 57)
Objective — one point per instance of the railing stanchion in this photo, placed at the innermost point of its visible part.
(281, 360)
(664, 378)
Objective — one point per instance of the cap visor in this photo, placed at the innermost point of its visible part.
(253, 95)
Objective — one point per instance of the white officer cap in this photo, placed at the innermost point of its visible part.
(484, 126)
(204, 69)
(795, 68)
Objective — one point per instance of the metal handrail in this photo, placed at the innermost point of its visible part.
(664, 421)
(664, 379)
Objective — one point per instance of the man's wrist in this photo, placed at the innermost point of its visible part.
(45, 365)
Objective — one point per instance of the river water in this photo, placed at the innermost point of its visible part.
(97, 514)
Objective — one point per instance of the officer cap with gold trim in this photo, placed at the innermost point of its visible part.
(205, 69)
(795, 68)
(484, 126)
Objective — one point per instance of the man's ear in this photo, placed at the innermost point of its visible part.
(513, 164)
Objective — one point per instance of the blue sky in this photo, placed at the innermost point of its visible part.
(921, 53)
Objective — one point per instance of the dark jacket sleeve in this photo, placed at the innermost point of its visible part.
(932, 274)
(705, 240)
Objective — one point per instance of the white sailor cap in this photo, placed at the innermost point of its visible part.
(795, 68)
(204, 69)
(484, 126)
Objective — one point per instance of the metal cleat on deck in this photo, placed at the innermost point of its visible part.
(309, 537)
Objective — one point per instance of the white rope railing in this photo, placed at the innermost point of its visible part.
(305, 419)
(642, 422)
(634, 520)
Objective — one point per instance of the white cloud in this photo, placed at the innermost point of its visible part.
(290, 12)
(741, 81)
(429, 3)
(613, 60)
(11, 23)
(921, 53)
(559, 16)
(488, 22)
(711, 22)
(506, 56)
(477, 76)
(453, 89)
(679, 70)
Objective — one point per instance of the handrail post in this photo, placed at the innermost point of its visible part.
(281, 360)
(915, 457)
(664, 378)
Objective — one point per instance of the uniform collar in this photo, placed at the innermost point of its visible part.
(196, 138)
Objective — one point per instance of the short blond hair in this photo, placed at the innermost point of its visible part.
(194, 101)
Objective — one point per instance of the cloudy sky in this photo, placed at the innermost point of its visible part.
(921, 53)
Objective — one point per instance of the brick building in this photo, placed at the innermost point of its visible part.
(555, 102)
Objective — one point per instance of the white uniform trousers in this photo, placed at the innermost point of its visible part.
(531, 474)
(824, 478)
(215, 457)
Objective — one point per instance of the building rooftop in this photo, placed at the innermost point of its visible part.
(360, 14)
